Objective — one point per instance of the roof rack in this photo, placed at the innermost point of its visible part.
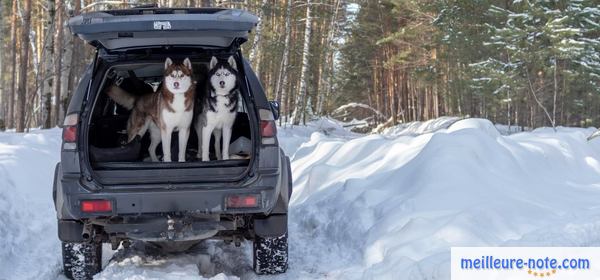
(117, 3)
(132, 6)
(162, 11)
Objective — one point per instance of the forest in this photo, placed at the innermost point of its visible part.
(527, 63)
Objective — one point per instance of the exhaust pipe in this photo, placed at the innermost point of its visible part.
(86, 234)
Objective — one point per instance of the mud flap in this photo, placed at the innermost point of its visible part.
(271, 226)
(70, 231)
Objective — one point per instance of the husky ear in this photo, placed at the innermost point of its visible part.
(213, 63)
(168, 62)
(232, 62)
(187, 63)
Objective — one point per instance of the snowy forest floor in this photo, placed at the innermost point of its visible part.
(384, 206)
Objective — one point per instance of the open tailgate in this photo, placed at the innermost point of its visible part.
(148, 27)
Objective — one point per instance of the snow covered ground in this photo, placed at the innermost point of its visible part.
(386, 206)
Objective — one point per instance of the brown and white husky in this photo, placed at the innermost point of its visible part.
(170, 108)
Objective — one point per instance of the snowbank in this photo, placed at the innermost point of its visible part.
(30, 248)
(382, 206)
(395, 205)
(418, 128)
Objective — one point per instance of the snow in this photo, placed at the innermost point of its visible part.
(380, 206)
(26, 210)
(357, 105)
(418, 128)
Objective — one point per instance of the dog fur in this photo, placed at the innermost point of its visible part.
(170, 108)
(218, 108)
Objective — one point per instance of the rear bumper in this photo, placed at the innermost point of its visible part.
(169, 201)
(271, 187)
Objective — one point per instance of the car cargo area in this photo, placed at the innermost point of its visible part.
(109, 150)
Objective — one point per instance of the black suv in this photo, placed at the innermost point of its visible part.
(106, 190)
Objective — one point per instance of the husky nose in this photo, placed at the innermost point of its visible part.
(176, 84)
(222, 83)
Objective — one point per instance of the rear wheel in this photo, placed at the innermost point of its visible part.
(81, 260)
(270, 254)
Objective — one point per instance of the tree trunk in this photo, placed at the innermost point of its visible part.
(555, 93)
(46, 100)
(329, 65)
(206, 3)
(301, 97)
(281, 91)
(23, 65)
(10, 121)
(46, 87)
(254, 56)
(37, 39)
(2, 92)
(58, 50)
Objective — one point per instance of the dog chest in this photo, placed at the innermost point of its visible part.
(179, 117)
(222, 115)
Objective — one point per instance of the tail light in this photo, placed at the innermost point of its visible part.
(96, 206)
(242, 201)
(268, 128)
(70, 132)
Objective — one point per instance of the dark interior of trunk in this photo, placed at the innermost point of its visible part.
(108, 146)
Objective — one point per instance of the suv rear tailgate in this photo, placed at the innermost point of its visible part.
(159, 27)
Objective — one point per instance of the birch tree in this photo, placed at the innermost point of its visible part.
(58, 51)
(254, 51)
(300, 106)
(13, 67)
(2, 55)
(23, 65)
(329, 65)
(46, 86)
(281, 91)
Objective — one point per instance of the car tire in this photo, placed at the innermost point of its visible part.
(81, 261)
(270, 254)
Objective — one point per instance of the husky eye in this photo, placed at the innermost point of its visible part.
(218, 74)
(226, 74)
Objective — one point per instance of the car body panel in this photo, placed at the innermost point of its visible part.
(160, 27)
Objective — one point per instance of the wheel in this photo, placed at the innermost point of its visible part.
(270, 254)
(81, 260)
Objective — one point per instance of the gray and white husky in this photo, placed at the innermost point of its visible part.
(218, 108)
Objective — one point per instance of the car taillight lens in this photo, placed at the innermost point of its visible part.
(268, 129)
(70, 132)
(94, 206)
(242, 201)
